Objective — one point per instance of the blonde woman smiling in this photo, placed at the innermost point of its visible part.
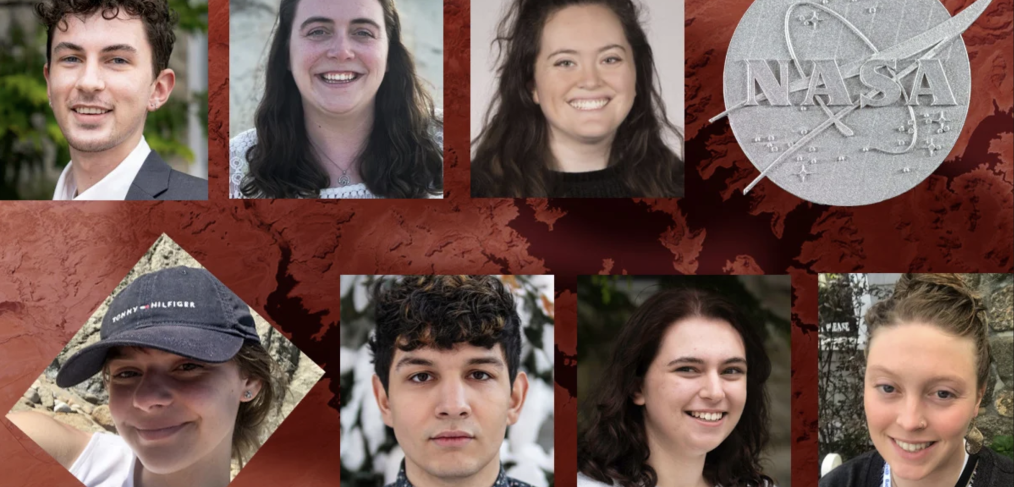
(927, 364)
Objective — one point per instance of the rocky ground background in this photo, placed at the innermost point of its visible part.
(86, 405)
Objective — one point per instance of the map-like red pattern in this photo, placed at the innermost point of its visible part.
(59, 260)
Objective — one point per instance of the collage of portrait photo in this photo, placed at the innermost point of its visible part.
(506, 243)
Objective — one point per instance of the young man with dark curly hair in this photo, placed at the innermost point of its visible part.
(107, 66)
(446, 353)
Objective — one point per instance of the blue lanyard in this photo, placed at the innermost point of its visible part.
(886, 480)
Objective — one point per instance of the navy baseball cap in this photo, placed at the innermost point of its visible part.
(180, 310)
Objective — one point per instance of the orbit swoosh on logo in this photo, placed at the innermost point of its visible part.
(848, 102)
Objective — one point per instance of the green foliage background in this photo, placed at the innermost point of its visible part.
(27, 122)
(1004, 445)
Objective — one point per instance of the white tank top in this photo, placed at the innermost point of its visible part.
(107, 461)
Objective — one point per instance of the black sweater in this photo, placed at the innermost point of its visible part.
(603, 183)
(867, 469)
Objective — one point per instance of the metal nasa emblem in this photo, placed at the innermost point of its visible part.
(848, 102)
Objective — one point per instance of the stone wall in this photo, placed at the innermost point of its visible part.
(85, 406)
(995, 411)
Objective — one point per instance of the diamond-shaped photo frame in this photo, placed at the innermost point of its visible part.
(76, 423)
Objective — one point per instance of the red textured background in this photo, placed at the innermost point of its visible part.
(961, 219)
(59, 260)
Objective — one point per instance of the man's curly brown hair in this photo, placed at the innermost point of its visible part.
(441, 311)
(157, 17)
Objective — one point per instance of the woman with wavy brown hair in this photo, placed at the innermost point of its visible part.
(682, 401)
(576, 112)
(343, 114)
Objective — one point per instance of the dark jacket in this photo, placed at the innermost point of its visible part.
(157, 181)
(866, 470)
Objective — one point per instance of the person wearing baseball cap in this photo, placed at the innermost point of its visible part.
(189, 387)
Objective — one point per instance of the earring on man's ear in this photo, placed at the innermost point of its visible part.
(973, 440)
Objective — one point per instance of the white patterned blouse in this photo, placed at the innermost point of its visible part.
(239, 167)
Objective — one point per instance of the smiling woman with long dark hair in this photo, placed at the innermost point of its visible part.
(576, 112)
(343, 114)
(683, 399)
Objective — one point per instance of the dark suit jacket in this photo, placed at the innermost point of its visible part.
(157, 181)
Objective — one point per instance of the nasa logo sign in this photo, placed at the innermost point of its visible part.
(848, 102)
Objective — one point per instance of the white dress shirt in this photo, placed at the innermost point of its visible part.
(113, 187)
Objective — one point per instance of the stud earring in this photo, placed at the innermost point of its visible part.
(248, 394)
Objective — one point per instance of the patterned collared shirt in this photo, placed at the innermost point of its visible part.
(502, 480)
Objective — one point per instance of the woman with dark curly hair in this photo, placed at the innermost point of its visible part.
(682, 401)
(343, 114)
(576, 112)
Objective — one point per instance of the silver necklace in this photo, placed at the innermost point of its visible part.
(344, 179)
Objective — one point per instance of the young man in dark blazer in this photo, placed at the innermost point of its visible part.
(107, 67)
